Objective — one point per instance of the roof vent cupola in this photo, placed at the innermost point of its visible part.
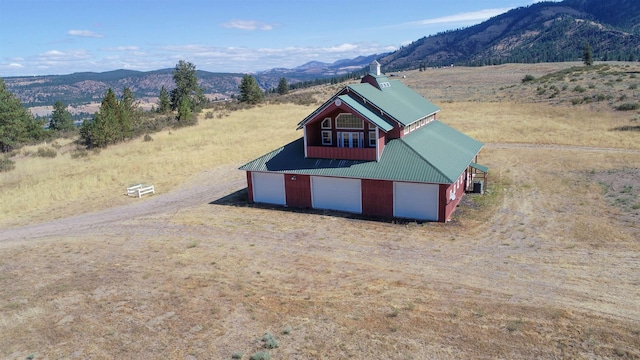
(374, 68)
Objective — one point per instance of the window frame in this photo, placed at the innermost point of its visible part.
(349, 128)
(328, 120)
(374, 138)
(330, 137)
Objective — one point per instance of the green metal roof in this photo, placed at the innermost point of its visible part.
(394, 98)
(435, 153)
(366, 113)
(482, 168)
(397, 100)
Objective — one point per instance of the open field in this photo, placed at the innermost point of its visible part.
(547, 265)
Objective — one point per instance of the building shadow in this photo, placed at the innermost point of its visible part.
(240, 199)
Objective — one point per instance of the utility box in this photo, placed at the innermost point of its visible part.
(477, 187)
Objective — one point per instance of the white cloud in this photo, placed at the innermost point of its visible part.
(15, 65)
(123, 48)
(467, 17)
(249, 25)
(84, 33)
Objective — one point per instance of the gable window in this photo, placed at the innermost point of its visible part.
(326, 123)
(326, 137)
(349, 121)
(372, 126)
(372, 139)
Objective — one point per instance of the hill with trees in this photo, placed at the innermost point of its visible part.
(542, 32)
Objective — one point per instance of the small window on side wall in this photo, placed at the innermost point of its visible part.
(326, 138)
(326, 123)
(372, 139)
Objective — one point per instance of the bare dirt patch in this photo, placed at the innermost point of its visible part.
(621, 188)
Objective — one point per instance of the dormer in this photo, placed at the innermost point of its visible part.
(357, 122)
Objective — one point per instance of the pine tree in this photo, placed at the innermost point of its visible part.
(587, 54)
(250, 92)
(186, 79)
(17, 125)
(164, 103)
(113, 123)
(61, 118)
(283, 87)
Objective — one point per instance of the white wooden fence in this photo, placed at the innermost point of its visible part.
(140, 189)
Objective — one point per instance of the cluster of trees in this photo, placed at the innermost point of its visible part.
(114, 122)
(121, 119)
(17, 125)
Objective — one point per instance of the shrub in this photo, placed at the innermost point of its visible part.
(528, 78)
(628, 107)
(147, 138)
(237, 355)
(633, 86)
(7, 165)
(208, 115)
(269, 341)
(79, 153)
(576, 101)
(46, 152)
(261, 355)
(579, 89)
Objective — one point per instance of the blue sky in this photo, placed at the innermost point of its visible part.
(46, 37)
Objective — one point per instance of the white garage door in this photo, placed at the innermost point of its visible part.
(268, 188)
(415, 201)
(336, 194)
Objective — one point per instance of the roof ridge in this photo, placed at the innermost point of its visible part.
(372, 103)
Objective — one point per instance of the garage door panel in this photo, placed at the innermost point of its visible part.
(268, 188)
(415, 201)
(336, 194)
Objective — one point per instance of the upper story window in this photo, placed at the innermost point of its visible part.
(372, 139)
(326, 123)
(349, 121)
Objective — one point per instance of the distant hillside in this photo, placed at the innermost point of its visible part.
(86, 87)
(542, 32)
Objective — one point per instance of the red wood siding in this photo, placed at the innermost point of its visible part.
(298, 190)
(328, 152)
(448, 206)
(249, 187)
(377, 197)
(395, 133)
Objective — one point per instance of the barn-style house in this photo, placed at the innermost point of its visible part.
(374, 148)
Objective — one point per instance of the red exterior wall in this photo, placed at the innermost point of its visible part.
(395, 133)
(377, 197)
(298, 190)
(448, 206)
(329, 152)
(249, 187)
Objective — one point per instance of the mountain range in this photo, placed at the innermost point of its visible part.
(542, 32)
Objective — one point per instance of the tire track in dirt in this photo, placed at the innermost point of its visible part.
(205, 187)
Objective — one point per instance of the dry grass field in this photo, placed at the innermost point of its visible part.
(545, 265)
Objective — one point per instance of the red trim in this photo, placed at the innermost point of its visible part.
(249, 187)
